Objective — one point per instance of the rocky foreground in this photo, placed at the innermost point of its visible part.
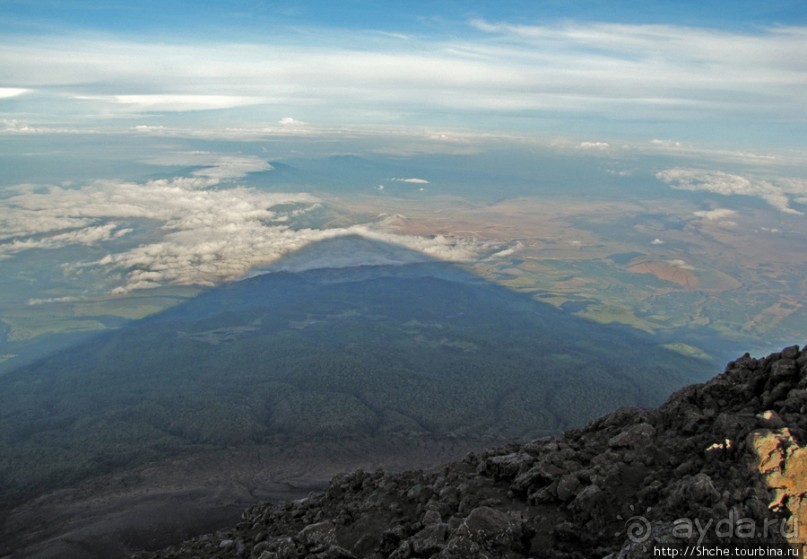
(719, 466)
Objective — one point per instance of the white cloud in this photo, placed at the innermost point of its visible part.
(793, 185)
(656, 241)
(682, 264)
(411, 180)
(173, 102)
(666, 143)
(21, 222)
(6, 92)
(197, 235)
(594, 145)
(509, 251)
(290, 122)
(593, 68)
(93, 213)
(209, 255)
(195, 181)
(727, 184)
(687, 60)
(85, 236)
(14, 125)
(49, 300)
(149, 128)
(716, 214)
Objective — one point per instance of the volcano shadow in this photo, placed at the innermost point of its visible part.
(351, 353)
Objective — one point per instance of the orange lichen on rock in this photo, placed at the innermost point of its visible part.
(783, 464)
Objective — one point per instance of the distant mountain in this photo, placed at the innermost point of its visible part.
(341, 173)
(718, 470)
(326, 358)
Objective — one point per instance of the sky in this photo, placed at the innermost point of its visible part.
(718, 74)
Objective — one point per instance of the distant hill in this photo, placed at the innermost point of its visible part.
(324, 358)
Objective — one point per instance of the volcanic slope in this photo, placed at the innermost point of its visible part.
(719, 470)
(405, 351)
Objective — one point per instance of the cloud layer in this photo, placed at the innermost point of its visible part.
(620, 72)
(197, 235)
(776, 193)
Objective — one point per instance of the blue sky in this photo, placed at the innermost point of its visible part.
(235, 16)
(721, 74)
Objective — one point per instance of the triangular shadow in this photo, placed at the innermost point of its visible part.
(401, 346)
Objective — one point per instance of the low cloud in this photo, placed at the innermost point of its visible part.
(85, 236)
(290, 122)
(666, 143)
(716, 214)
(411, 180)
(55, 217)
(509, 251)
(196, 235)
(7, 92)
(594, 145)
(727, 184)
(18, 126)
(208, 256)
(682, 264)
(53, 300)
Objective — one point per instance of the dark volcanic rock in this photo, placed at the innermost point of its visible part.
(719, 463)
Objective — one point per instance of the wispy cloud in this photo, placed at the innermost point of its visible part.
(669, 68)
(17, 126)
(172, 102)
(49, 300)
(594, 145)
(84, 236)
(412, 180)
(625, 73)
